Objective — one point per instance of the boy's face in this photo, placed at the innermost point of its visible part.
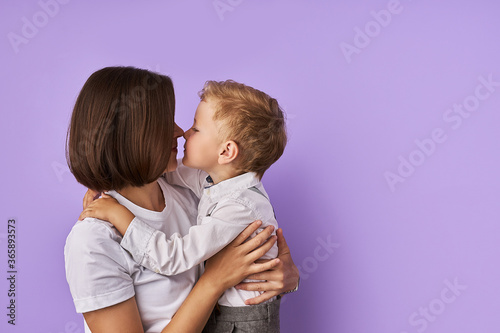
(201, 150)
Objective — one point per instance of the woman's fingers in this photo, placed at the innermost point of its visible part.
(282, 245)
(255, 286)
(255, 268)
(258, 240)
(247, 232)
(275, 275)
(270, 280)
(257, 251)
(237, 260)
(261, 298)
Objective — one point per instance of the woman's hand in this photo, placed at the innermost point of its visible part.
(237, 260)
(222, 271)
(282, 278)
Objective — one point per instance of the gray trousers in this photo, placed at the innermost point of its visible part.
(262, 318)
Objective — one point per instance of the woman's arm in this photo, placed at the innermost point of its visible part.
(222, 271)
(120, 318)
(225, 269)
(99, 279)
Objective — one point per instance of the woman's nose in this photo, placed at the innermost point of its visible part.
(178, 132)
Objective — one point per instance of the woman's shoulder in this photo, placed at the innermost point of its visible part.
(92, 235)
(91, 228)
(97, 268)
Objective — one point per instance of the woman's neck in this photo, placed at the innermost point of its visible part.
(149, 196)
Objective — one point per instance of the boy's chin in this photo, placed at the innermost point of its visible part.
(189, 163)
(185, 162)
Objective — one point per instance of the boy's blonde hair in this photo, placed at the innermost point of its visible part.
(252, 119)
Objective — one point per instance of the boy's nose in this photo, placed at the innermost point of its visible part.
(186, 134)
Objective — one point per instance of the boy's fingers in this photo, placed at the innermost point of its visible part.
(87, 212)
(82, 216)
(90, 196)
(86, 200)
(252, 227)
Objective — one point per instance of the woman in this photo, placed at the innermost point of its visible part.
(122, 138)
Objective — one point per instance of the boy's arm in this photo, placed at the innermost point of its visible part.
(108, 209)
(184, 176)
(172, 255)
(152, 248)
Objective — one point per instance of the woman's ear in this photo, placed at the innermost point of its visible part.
(228, 153)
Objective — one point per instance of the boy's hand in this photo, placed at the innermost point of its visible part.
(108, 209)
(90, 196)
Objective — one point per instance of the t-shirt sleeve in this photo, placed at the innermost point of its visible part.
(97, 270)
(184, 176)
(175, 254)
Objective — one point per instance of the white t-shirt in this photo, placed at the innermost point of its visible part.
(101, 273)
(225, 209)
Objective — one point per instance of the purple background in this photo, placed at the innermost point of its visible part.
(351, 118)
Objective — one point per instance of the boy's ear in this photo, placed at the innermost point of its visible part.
(228, 153)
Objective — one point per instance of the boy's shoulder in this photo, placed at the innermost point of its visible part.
(252, 201)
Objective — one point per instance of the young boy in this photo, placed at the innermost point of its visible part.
(238, 133)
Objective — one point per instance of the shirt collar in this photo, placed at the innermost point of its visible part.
(237, 183)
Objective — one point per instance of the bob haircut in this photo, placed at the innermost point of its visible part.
(121, 129)
(252, 119)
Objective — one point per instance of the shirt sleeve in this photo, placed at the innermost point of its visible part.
(97, 270)
(175, 254)
(184, 176)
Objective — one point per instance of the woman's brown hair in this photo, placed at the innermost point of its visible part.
(121, 130)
